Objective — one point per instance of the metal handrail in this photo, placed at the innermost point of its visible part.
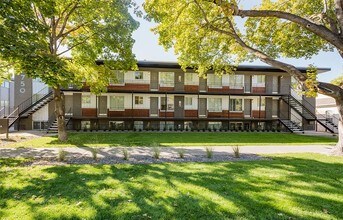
(25, 105)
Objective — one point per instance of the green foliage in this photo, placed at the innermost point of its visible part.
(156, 152)
(338, 81)
(311, 82)
(236, 151)
(62, 154)
(126, 154)
(39, 36)
(281, 38)
(209, 152)
(94, 153)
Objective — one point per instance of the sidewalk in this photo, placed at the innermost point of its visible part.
(165, 151)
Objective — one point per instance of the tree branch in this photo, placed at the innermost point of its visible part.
(65, 21)
(339, 15)
(317, 29)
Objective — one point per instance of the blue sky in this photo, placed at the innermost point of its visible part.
(147, 48)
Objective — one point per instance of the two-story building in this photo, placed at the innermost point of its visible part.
(161, 96)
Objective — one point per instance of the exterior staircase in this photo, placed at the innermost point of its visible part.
(291, 125)
(306, 114)
(53, 128)
(30, 106)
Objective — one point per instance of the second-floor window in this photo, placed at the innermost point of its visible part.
(118, 78)
(166, 79)
(236, 105)
(236, 81)
(117, 103)
(167, 104)
(259, 80)
(138, 100)
(191, 79)
(214, 104)
(214, 80)
(138, 75)
(188, 101)
(86, 101)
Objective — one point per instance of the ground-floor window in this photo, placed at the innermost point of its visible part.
(167, 126)
(236, 126)
(40, 125)
(188, 125)
(214, 125)
(116, 125)
(85, 125)
(138, 125)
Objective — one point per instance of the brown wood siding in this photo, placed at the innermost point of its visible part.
(89, 112)
(256, 114)
(116, 113)
(223, 89)
(236, 91)
(191, 113)
(130, 87)
(137, 112)
(259, 89)
(236, 115)
(166, 114)
(191, 88)
(217, 114)
(166, 89)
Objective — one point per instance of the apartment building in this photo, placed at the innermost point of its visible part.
(161, 96)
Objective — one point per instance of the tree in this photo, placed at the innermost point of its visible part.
(338, 81)
(38, 35)
(208, 34)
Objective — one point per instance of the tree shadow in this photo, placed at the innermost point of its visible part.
(283, 188)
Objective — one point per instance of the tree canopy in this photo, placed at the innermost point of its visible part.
(40, 38)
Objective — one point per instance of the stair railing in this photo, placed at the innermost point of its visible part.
(299, 122)
(37, 97)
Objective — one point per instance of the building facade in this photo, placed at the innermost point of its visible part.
(161, 96)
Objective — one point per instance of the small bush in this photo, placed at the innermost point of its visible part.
(209, 152)
(156, 152)
(236, 152)
(126, 154)
(62, 155)
(181, 153)
(94, 152)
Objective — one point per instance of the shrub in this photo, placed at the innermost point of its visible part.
(156, 151)
(236, 152)
(181, 152)
(62, 155)
(209, 152)
(94, 152)
(126, 154)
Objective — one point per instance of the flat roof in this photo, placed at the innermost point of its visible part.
(256, 68)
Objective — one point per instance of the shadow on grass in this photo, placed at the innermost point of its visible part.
(283, 188)
(191, 139)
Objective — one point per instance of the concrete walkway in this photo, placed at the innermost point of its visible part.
(165, 151)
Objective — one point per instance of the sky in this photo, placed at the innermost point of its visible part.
(147, 48)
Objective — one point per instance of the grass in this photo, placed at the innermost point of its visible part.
(293, 186)
(174, 139)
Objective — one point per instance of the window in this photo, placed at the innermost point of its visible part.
(263, 103)
(85, 125)
(118, 79)
(117, 103)
(86, 101)
(191, 79)
(40, 125)
(138, 75)
(214, 125)
(116, 125)
(236, 105)
(260, 78)
(215, 104)
(188, 101)
(236, 81)
(167, 79)
(138, 100)
(138, 125)
(167, 126)
(214, 80)
(167, 105)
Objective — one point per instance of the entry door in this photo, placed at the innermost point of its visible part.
(179, 81)
(154, 106)
(275, 84)
(247, 108)
(247, 83)
(102, 111)
(202, 84)
(179, 108)
(154, 81)
(202, 107)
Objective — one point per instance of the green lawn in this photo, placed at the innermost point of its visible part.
(175, 139)
(294, 186)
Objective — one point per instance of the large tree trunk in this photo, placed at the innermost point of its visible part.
(339, 146)
(60, 114)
